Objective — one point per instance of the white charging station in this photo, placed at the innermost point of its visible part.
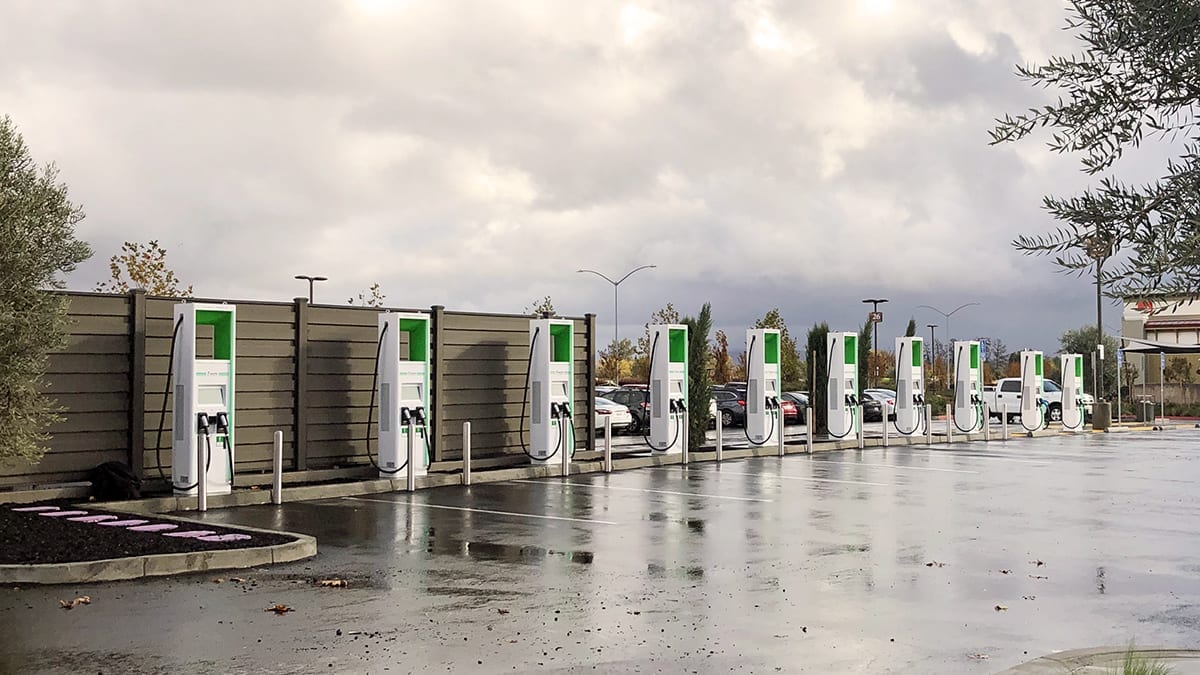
(202, 418)
(668, 387)
(763, 413)
(403, 392)
(551, 383)
(968, 388)
(842, 390)
(1033, 414)
(1072, 391)
(910, 385)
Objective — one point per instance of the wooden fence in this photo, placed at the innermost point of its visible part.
(302, 369)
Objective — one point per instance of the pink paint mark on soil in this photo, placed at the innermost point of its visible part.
(62, 514)
(92, 519)
(227, 537)
(157, 527)
(124, 523)
(193, 534)
(35, 509)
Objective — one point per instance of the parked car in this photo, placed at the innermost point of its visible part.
(638, 403)
(622, 419)
(791, 412)
(872, 407)
(798, 399)
(1007, 391)
(884, 398)
(606, 389)
(731, 406)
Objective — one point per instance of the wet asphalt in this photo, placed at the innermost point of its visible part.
(951, 559)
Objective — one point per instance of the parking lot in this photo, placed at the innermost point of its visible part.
(950, 558)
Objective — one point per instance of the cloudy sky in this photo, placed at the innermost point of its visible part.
(802, 155)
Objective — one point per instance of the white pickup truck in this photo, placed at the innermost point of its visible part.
(1007, 391)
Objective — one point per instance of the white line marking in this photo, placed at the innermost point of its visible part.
(495, 513)
(951, 453)
(892, 466)
(595, 486)
(815, 480)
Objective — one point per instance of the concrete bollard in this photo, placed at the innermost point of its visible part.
(987, 423)
(780, 413)
(566, 452)
(277, 470)
(1004, 421)
(412, 457)
(808, 429)
(858, 411)
(202, 476)
(466, 474)
(607, 444)
(720, 437)
(949, 424)
(929, 423)
(885, 425)
(686, 437)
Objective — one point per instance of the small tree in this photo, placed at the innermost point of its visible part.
(699, 381)
(641, 361)
(818, 370)
(143, 266)
(1129, 373)
(37, 243)
(722, 362)
(540, 308)
(791, 366)
(1083, 341)
(616, 361)
(372, 297)
(1179, 370)
(864, 353)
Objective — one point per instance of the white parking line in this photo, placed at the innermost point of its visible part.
(595, 486)
(892, 466)
(805, 478)
(495, 513)
(967, 455)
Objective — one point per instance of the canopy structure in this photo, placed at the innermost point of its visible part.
(1139, 346)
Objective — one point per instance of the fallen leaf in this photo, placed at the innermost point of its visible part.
(935, 564)
(501, 611)
(279, 609)
(978, 657)
(332, 583)
(218, 580)
(1037, 576)
(1036, 563)
(1005, 571)
(1029, 597)
(237, 580)
(81, 600)
(1001, 608)
(803, 629)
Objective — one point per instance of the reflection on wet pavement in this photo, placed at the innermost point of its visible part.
(852, 561)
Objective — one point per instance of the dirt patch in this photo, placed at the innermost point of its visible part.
(29, 538)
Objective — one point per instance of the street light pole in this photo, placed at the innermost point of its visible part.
(948, 337)
(310, 280)
(616, 284)
(875, 303)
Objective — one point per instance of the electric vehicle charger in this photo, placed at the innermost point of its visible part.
(773, 410)
(1045, 422)
(424, 431)
(850, 401)
(162, 418)
(922, 420)
(524, 409)
(976, 405)
(678, 420)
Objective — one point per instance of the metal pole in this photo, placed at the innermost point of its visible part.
(779, 423)
(566, 452)
(608, 444)
(858, 411)
(466, 476)
(885, 424)
(686, 435)
(987, 423)
(616, 322)
(1120, 376)
(929, 424)
(949, 425)
(201, 476)
(277, 470)
(720, 437)
(1162, 391)
(1004, 421)
(808, 429)
(412, 457)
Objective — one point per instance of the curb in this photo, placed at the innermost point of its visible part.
(1076, 660)
(163, 564)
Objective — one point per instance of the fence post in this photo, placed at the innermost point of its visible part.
(466, 475)
(137, 382)
(437, 363)
(590, 339)
(300, 404)
(277, 469)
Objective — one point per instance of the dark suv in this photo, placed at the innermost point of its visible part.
(638, 402)
(731, 406)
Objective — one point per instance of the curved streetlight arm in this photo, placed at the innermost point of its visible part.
(952, 312)
(601, 275)
(638, 269)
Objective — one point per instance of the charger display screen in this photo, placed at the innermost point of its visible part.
(214, 396)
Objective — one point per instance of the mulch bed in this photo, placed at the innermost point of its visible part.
(27, 538)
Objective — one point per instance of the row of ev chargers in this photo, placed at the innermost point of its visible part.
(204, 392)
